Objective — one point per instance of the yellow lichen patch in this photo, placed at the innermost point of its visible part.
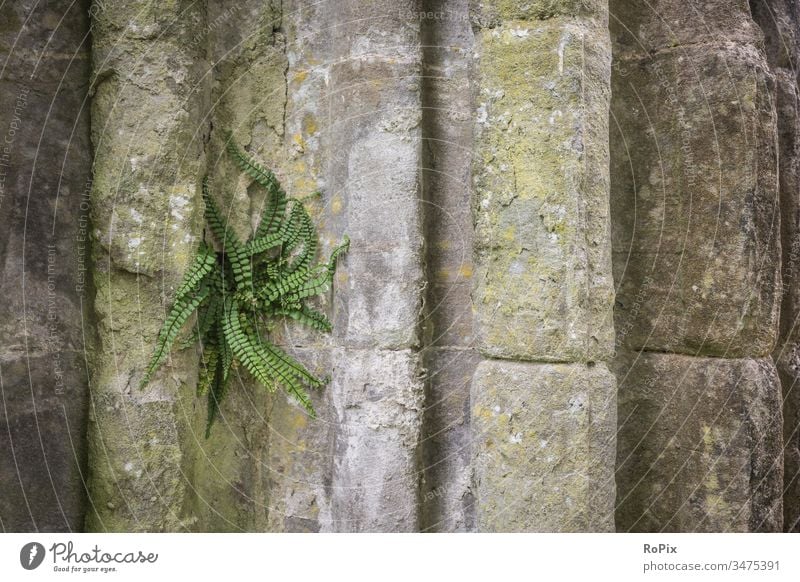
(707, 439)
(299, 422)
(529, 11)
(300, 76)
(310, 126)
(337, 204)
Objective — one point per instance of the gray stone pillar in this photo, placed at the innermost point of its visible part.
(147, 132)
(780, 22)
(697, 265)
(447, 502)
(374, 185)
(543, 433)
(45, 312)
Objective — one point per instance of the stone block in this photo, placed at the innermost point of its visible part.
(447, 502)
(543, 286)
(642, 27)
(378, 397)
(695, 203)
(544, 446)
(700, 444)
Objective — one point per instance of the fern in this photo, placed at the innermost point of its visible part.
(244, 288)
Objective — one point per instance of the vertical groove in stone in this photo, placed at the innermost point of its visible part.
(146, 110)
(543, 434)
(233, 471)
(45, 161)
(446, 500)
(697, 264)
(374, 189)
(780, 23)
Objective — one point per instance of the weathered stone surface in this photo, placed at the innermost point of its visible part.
(666, 24)
(374, 172)
(261, 468)
(301, 455)
(788, 364)
(378, 397)
(695, 202)
(375, 106)
(699, 444)
(42, 457)
(373, 193)
(696, 243)
(231, 473)
(779, 19)
(45, 163)
(786, 354)
(490, 12)
(543, 434)
(544, 444)
(447, 500)
(267, 464)
(299, 464)
(447, 126)
(147, 132)
(543, 287)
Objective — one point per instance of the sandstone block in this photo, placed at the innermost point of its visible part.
(695, 203)
(544, 444)
(543, 286)
(378, 397)
(700, 444)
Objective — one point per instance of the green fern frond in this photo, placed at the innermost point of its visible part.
(202, 266)
(285, 367)
(284, 285)
(265, 273)
(309, 317)
(302, 397)
(226, 355)
(296, 227)
(249, 166)
(309, 252)
(180, 313)
(215, 396)
(274, 209)
(337, 252)
(206, 318)
(221, 229)
(209, 360)
(237, 254)
(270, 276)
(275, 204)
(264, 243)
(245, 350)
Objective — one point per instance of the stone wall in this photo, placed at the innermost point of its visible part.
(696, 243)
(46, 324)
(543, 433)
(569, 303)
(780, 22)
